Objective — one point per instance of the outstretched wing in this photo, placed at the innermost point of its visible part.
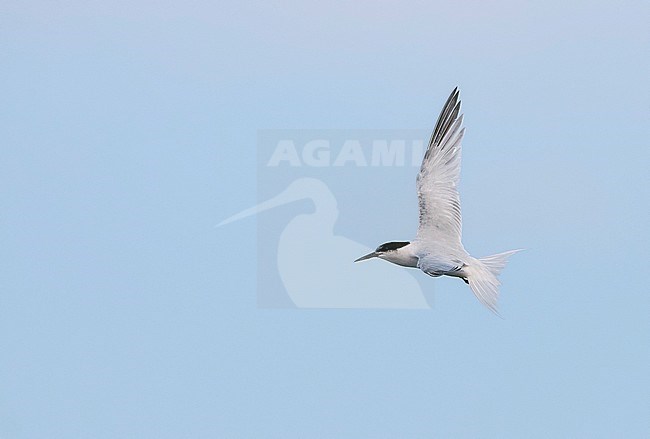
(440, 218)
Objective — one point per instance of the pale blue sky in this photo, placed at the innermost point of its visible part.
(129, 130)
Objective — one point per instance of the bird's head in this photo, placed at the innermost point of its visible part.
(384, 250)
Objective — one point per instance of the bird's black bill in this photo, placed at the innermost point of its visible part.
(368, 256)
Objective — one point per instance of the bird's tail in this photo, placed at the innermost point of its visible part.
(482, 276)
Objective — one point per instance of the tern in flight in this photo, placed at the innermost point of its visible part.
(437, 249)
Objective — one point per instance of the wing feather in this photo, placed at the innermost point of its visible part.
(437, 181)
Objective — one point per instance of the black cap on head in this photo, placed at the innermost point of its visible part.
(391, 246)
